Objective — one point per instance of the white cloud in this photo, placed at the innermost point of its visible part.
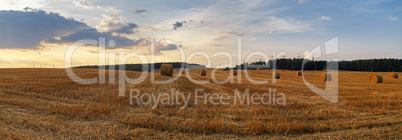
(284, 25)
(113, 10)
(307, 55)
(109, 22)
(83, 3)
(20, 4)
(115, 24)
(325, 18)
(303, 1)
(88, 4)
(393, 18)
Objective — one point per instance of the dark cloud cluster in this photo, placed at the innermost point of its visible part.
(25, 30)
(119, 28)
(140, 11)
(91, 33)
(127, 29)
(178, 24)
(160, 45)
(28, 29)
(29, 9)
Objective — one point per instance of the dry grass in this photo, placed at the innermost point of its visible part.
(46, 104)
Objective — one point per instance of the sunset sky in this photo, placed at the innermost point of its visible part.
(38, 32)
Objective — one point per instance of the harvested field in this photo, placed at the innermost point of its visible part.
(47, 104)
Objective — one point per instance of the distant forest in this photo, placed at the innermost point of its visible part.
(138, 67)
(375, 65)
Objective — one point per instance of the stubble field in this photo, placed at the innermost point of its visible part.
(47, 104)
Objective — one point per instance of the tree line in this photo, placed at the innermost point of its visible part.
(375, 65)
(138, 67)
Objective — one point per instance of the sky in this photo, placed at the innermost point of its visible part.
(39, 32)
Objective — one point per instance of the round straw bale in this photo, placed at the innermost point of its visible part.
(299, 73)
(393, 75)
(203, 72)
(375, 79)
(276, 75)
(167, 69)
(162, 69)
(234, 72)
(325, 77)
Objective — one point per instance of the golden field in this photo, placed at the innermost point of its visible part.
(47, 104)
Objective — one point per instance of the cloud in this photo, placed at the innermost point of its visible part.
(141, 44)
(32, 28)
(83, 3)
(224, 35)
(325, 18)
(29, 9)
(303, 1)
(88, 4)
(113, 10)
(284, 25)
(140, 11)
(26, 30)
(224, 16)
(178, 24)
(235, 33)
(163, 46)
(393, 18)
(186, 23)
(91, 33)
(160, 45)
(114, 25)
(129, 28)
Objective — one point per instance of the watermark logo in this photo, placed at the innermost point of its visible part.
(328, 53)
(199, 97)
